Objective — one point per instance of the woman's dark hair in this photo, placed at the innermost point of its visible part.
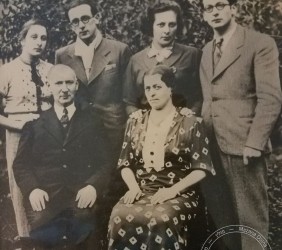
(75, 3)
(167, 74)
(158, 7)
(30, 23)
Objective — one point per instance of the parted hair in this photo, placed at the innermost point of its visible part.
(74, 3)
(27, 25)
(231, 2)
(160, 6)
(167, 74)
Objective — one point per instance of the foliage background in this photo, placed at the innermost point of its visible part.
(120, 21)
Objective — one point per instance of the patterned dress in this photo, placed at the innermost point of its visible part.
(142, 225)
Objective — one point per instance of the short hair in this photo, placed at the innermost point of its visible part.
(59, 68)
(160, 6)
(74, 3)
(27, 25)
(231, 2)
(167, 74)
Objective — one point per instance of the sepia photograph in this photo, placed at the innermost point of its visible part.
(140, 125)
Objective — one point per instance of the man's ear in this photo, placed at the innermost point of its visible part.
(97, 18)
(234, 9)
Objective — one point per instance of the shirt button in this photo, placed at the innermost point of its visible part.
(64, 150)
(151, 153)
(89, 166)
(65, 166)
(152, 161)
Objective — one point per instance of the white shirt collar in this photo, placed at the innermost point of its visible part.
(160, 54)
(87, 52)
(59, 110)
(226, 37)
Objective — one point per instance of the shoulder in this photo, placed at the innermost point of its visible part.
(115, 44)
(186, 48)
(139, 54)
(45, 64)
(63, 50)
(189, 122)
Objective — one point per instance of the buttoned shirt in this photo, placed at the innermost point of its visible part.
(59, 110)
(87, 52)
(226, 37)
(154, 149)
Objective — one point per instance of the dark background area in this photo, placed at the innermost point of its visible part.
(120, 21)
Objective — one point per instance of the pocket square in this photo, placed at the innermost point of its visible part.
(110, 66)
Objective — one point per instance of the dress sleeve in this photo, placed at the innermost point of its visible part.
(127, 158)
(4, 80)
(199, 148)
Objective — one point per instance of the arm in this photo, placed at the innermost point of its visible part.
(268, 90)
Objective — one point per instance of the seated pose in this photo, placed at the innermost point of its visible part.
(164, 155)
(61, 166)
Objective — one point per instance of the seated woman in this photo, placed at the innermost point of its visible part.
(164, 155)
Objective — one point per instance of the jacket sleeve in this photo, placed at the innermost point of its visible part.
(268, 89)
(22, 165)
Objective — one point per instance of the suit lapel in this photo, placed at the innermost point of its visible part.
(77, 64)
(231, 52)
(77, 125)
(148, 62)
(53, 126)
(207, 61)
(99, 61)
(176, 54)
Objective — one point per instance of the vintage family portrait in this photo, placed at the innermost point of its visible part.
(151, 125)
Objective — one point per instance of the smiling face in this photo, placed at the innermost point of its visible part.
(164, 29)
(83, 23)
(156, 92)
(63, 84)
(218, 19)
(34, 43)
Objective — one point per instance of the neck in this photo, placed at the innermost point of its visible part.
(158, 46)
(65, 105)
(219, 32)
(89, 40)
(28, 59)
(162, 113)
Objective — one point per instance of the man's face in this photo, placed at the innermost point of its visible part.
(218, 13)
(83, 23)
(63, 85)
(164, 28)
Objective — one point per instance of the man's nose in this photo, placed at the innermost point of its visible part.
(81, 24)
(64, 87)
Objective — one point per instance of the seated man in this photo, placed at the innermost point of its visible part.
(61, 167)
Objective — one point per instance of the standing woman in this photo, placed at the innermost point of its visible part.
(24, 88)
(164, 23)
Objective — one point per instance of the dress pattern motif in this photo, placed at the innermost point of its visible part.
(142, 225)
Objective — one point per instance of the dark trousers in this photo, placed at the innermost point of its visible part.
(237, 195)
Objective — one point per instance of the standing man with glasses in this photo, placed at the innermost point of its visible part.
(99, 64)
(242, 100)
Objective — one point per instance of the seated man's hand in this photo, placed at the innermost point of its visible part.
(37, 199)
(86, 197)
(249, 154)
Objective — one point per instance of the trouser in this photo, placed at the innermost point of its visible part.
(238, 196)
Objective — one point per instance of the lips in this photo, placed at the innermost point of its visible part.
(217, 20)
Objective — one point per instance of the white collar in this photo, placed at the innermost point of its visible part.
(226, 37)
(59, 110)
(160, 54)
(81, 48)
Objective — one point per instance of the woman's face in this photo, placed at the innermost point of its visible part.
(164, 28)
(156, 91)
(35, 40)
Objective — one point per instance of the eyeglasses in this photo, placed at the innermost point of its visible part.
(83, 19)
(218, 6)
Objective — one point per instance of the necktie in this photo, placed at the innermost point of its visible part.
(38, 84)
(65, 119)
(217, 52)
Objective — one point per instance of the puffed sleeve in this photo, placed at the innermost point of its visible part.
(4, 80)
(127, 158)
(199, 148)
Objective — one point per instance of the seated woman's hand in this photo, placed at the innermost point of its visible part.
(162, 195)
(131, 195)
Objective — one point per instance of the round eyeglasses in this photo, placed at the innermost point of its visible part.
(84, 19)
(218, 6)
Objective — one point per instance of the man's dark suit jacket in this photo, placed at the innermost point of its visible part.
(61, 164)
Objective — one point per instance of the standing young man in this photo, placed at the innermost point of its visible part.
(242, 100)
(99, 64)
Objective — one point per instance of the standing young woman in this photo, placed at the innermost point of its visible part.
(164, 24)
(24, 88)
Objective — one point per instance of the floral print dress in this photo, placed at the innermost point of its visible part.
(142, 225)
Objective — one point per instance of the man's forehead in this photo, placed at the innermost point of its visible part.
(213, 2)
(62, 74)
(80, 10)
